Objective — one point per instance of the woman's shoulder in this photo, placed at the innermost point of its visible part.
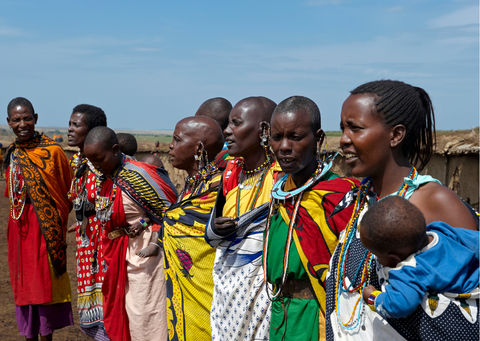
(439, 203)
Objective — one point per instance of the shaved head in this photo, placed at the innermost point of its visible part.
(303, 105)
(206, 130)
(261, 106)
(101, 134)
(217, 108)
(128, 143)
(391, 224)
(152, 160)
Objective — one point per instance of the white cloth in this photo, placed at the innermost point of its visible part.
(147, 301)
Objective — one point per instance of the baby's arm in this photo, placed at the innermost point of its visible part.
(402, 295)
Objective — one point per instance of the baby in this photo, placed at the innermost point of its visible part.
(416, 258)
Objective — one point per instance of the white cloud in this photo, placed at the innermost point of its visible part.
(461, 17)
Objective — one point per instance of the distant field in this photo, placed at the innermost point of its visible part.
(163, 136)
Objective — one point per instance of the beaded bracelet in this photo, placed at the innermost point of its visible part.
(372, 298)
(144, 223)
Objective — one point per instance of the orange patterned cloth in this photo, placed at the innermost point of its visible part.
(47, 177)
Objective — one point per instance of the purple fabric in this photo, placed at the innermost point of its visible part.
(98, 333)
(43, 319)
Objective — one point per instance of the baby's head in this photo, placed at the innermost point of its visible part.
(392, 229)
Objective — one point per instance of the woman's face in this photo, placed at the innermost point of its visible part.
(243, 131)
(22, 122)
(183, 148)
(105, 160)
(365, 140)
(77, 130)
(293, 142)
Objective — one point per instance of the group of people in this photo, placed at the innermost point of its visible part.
(263, 242)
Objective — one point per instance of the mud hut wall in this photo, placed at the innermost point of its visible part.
(459, 172)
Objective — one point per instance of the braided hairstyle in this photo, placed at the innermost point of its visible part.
(401, 103)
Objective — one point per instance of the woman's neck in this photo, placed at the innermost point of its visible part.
(302, 176)
(391, 179)
(254, 159)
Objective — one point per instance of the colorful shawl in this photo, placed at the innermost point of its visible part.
(148, 186)
(188, 265)
(314, 235)
(47, 176)
(221, 160)
(151, 189)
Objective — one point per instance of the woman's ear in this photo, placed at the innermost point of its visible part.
(200, 148)
(320, 136)
(116, 149)
(398, 135)
(264, 127)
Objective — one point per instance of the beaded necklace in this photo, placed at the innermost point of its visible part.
(280, 194)
(78, 193)
(250, 179)
(364, 267)
(196, 183)
(17, 191)
(104, 204)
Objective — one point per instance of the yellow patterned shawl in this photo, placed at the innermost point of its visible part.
(189, 264)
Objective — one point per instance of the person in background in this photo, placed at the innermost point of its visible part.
(38, 177)
(91, 266)
(128, 144)
(218, 108)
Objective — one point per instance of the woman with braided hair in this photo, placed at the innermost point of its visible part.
(388, 130)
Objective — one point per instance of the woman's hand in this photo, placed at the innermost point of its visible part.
(225, 223)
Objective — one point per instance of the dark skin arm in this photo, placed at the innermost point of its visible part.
(439, 203)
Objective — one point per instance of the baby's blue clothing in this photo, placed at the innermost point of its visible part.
(450, 263)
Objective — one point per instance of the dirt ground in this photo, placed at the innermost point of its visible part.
(8, 322)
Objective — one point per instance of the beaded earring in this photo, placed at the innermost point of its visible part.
(265, 140)
(322, 152)
(265, 136)
(204, 159)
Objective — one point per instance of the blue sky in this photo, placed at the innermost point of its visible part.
(150, 63)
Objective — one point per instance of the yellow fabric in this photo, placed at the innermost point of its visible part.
(61, 290)
(247, 195)
(188, 265)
